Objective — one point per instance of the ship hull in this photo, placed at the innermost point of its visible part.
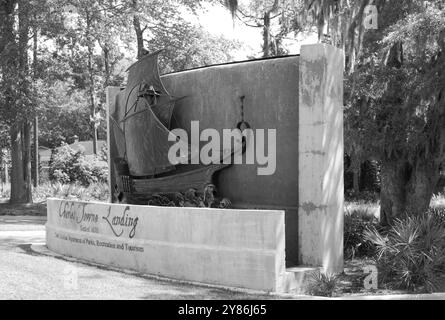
(139, 191)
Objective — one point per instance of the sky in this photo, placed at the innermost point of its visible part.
(217, 20)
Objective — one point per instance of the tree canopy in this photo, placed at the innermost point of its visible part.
(58, 56)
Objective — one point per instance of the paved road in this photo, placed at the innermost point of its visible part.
(25, 274)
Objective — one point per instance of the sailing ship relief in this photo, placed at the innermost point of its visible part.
(141, 137)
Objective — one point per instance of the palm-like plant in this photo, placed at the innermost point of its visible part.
(411, 255)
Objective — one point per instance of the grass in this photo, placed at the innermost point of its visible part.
(368, 209)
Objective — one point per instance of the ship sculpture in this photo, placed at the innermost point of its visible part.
(141, 139)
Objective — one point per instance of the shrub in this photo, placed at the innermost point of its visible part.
(411, 254)
(68, 166)
(89, 170)
(321, 284)
(62, 163)
(356, 223)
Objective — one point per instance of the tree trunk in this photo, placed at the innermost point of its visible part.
(406, 189)
(356, 179)
(36, 120)
(139, 36)
(424, 178)
(266, 35)
(6, 174)
(36, 152)
(21, 189)
(8, 63)
(18, 194)
(27, 161)
(393, 194)
(356, 169)
(138, 30)
(90, 44)
(106, 52)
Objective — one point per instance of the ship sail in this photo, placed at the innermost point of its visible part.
(144, 79)
(148, 109)
(141, 124)
(147, 142)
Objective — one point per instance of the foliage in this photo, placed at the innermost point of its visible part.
(356, 224)
(395, 89)
(411, 254)
(64, 113)
(70, 90)
(401, 99)
(195, 48)
(69, 166)
(90, 170)
(191, 198)
(94, 192)
(396, 101)
(56, 63)
(322, 284)
(61, 167)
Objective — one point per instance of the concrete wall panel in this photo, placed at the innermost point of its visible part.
(237, 248)
(321, 152)
(212, 97)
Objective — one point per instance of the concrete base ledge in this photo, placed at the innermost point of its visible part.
(233, 248)
(43, 250)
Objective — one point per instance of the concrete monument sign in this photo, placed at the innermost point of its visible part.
(237, 248)
(300, 98)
